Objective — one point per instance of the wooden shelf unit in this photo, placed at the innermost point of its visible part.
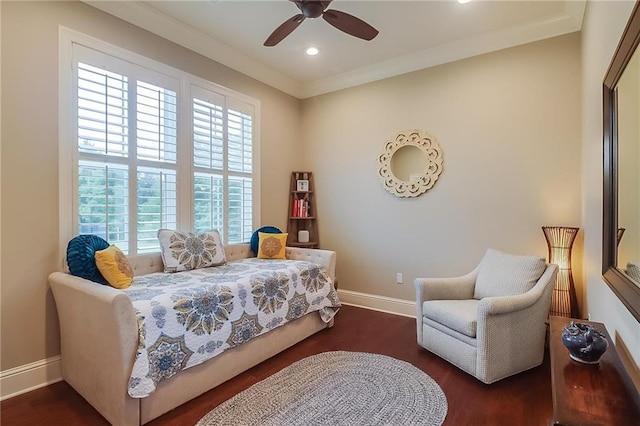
(302, 214)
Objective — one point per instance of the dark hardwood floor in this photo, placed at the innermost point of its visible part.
(524, 399)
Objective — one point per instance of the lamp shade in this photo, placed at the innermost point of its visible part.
(560, 242)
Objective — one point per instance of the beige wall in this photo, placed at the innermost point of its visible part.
(30, 154)
(602, 28)
(509, 125)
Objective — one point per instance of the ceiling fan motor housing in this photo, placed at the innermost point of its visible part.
(311, 9)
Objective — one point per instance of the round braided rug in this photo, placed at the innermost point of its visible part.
(337, 388)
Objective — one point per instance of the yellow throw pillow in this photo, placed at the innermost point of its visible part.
(114, 267)
(271, 246)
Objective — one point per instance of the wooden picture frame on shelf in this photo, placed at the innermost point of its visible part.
(302, 185)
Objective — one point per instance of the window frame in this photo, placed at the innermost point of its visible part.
(185, 82)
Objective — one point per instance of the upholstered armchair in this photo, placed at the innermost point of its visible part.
(491, 322)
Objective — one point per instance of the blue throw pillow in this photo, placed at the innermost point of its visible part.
(81, 259)
(255, 237)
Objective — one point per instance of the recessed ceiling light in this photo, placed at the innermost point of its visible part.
(463, 1)
(312, 51)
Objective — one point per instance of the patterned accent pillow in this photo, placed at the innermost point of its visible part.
(503, 274)
(114, 267)
(272, 246)
(255, 237)
(184, 251)
(81, 257)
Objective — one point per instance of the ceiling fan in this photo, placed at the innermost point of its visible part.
(314, 9)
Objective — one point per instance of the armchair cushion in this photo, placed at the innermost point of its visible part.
(458, 315)
(503, 274)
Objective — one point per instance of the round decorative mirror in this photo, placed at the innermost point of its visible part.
(410, 163)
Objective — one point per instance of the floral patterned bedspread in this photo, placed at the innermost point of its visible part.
(186, 318)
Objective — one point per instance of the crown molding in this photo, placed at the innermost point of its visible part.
(151, 19)
(156, 22)
(569, 22)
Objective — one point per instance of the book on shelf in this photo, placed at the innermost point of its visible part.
(300, 208)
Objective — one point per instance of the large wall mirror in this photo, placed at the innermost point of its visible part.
(621, 192)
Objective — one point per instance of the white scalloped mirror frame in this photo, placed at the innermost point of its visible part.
(421, 182)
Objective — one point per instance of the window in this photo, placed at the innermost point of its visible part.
(223, 166)
(155, 148)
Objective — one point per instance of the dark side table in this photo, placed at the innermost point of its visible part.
(590, 394)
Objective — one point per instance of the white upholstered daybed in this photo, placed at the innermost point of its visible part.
(99, 340)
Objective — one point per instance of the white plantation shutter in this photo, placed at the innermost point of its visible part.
(103, 199)
(102, 131)
(156, 206)
(240, 137)
(156, 192)
(240, 208)
(102, 111)
(106, 169)
(223, 165)
(148, 156)
(156, 123)
(208, 202)
(208, 135)
(240, 165)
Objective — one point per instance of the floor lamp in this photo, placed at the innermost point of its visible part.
(560, 242)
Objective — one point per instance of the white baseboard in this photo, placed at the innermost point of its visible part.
(406, 308)
(28, 377)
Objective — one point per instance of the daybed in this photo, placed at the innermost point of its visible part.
(100, 339)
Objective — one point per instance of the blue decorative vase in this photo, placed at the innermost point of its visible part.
(585, 343)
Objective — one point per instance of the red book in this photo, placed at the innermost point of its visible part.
(295, 207)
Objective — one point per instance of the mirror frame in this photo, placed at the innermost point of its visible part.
(627, 290)
(432, 151)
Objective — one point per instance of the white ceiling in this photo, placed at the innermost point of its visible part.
(413, 35)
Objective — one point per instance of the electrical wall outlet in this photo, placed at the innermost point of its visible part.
(399, 278)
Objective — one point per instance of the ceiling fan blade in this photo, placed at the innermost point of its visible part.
(284, 30)
(350, 24)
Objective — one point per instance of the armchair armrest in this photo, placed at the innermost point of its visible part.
(442, 289)
(454, 288)
(506, 304)
(512, 329)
